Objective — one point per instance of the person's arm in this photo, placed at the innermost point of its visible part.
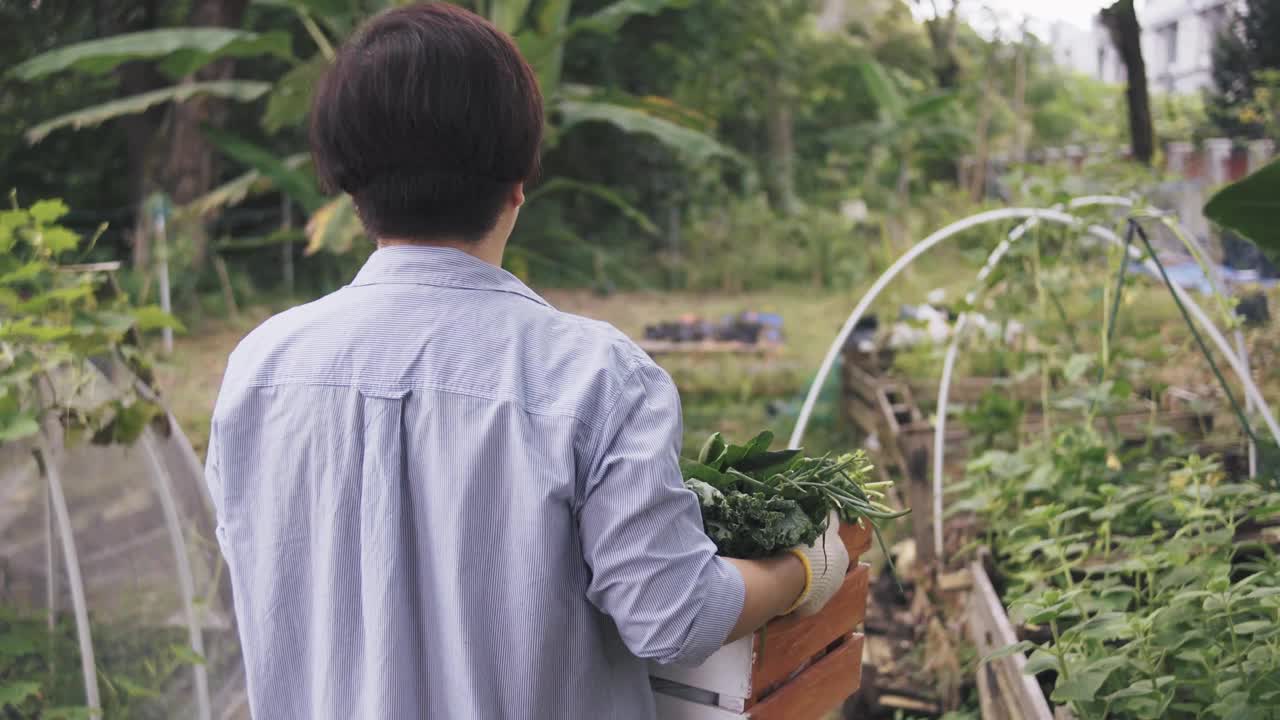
(772, 585)
(653, 568)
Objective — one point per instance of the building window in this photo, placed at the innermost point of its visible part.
(1169, 39)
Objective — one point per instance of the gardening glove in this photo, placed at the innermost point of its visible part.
(825, 563)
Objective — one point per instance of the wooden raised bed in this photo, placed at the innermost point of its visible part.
(1005, 692)
(795, 669)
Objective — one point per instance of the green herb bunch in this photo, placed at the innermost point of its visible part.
(758, 502)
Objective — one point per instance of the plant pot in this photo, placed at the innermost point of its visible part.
(795, 669)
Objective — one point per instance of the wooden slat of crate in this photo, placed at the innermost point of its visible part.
(819, 689)
(1002, 686)
(791, 641)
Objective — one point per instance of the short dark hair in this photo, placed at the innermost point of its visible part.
(428, 117)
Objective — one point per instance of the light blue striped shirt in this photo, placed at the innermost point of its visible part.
(440, 497)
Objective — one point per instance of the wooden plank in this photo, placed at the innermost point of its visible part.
(1134, 425)
(819, 689)
(791, 641)
(729, 671)
(726, 672)
(857, 540)
(990, 630)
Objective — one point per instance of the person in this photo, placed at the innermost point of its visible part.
(437, 495)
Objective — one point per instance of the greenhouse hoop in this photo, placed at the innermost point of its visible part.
(948, 364)
(88, 664)
(1241, 371)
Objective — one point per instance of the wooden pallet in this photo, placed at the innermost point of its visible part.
(795, 669)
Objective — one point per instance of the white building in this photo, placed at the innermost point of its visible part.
(1177, 44)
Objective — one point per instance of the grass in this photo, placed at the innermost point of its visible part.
(730, 394)
(741, 395)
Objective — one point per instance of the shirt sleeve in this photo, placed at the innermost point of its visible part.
(653, 569)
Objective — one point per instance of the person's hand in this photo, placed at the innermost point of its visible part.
(825, 563)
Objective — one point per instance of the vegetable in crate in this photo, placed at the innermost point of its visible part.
(757, 503)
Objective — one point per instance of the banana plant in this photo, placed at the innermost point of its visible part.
(177, 52)
(542, 33)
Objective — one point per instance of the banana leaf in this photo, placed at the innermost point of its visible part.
(186, 50)
(238, 90)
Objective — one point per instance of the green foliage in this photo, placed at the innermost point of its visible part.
(238, 90)
(757, 503)
(1152, 607)
(52, 322)
(40, 667)
(182, 51)
(1250, 207)
(296, 184)
(692, 146)
(1244, 50)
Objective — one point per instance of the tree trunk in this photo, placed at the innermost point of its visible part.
(140, 129)
(191, 168)
(942, 37)
(1126, 35)
(782, 149)
(1020, 100)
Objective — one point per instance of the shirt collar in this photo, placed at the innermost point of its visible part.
(439, 266)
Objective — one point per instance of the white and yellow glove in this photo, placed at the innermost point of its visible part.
(825, 564)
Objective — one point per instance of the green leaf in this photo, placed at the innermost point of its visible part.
(59, 240)
(127, 424)
(1009, 650)
(707, 493)
(694, 147)
(712, 449)
(290, 100)
(1041, 661)
(18, 427)
(194, 47)
(134, 689)
(24, 273)
(237, 90)
(298, 185)
(16, 693)
(185, 654)
(1104, 626)
(601, 192)
(334, 227)
(48, 211)
(930, 106)
(1250, 207)
(1254, 626)
(151, 317)
(881, 88)
(1082, 686)
(234, 191)
(768, 463)
(1077, 366)
(705, 473)
(610, 18)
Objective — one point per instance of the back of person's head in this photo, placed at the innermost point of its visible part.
(429, 118)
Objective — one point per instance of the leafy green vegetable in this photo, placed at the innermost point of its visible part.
(756, 502)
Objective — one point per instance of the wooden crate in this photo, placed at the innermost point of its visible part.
(795, 669)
